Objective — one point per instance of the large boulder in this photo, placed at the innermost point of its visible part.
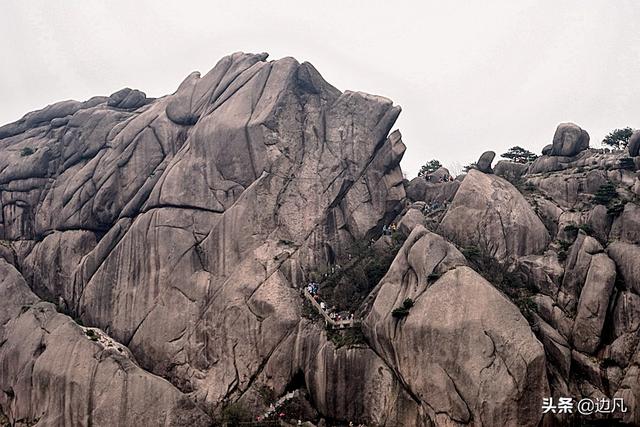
(626, 257)
(634, 144)
(593, 303)
(463, 350)
(569, 140)
(484, 162)
(511, 171)
(626, 227)
(489, 212)
(55, 372)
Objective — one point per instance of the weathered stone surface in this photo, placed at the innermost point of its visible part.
(484, 162)
(182, 226)
(569, 140)
(556, 346)
(547, 150)
(72, 379)
(487, 211)
(463, 334)
(127, 99)
(626, 227)
(411, 219)
(577, 268)
(511, 171)
(634, 144)
(543, 272)
(593, 303)
(626, 314)
(626, 257)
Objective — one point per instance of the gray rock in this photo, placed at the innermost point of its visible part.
(593, 304)
(484, 162)
(547, 150)
(459, 314)
(511, 171)
(66, 361)
(411, 219)
(569, 140)
(626, 227)
(577, 268)
(634, 144)
(127, 99)
(626, 314)
(488, 212)
(626, 258)
(556, 346)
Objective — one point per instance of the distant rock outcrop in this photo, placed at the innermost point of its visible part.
(569, 140)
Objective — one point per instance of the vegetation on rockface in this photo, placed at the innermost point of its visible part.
(26, 151)
(509, 282)
(430, 167)
(346, 337)
(310, 312)
(346, 288)
(235, 414)
(573, 229)
(470, 166)
(605, 194)
(564, 248)
(608, 196)
(627, 163)
(519, 155)
(403, 311)
(91, 334)
(618, 138)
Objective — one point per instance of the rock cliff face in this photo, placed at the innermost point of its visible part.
(152, 254)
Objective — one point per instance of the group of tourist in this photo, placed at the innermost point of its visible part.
(434, 206)
(312, 289)
(388, 230)
(441, 178)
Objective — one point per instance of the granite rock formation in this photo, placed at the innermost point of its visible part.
(153, 252)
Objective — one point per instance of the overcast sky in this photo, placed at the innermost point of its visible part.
(470, 75)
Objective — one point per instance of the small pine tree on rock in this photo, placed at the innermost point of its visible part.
(429, 167)
(519, 155)
(618, 138)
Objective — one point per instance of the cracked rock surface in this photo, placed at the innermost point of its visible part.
(152, 253)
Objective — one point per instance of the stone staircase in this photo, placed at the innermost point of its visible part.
(341, 324)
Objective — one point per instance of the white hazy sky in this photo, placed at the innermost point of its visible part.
(470, 76)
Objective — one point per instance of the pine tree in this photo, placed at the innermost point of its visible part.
(519, 155)
(618, 138)
(429, 167)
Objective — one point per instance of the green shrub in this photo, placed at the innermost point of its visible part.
(234, 414)
(615, 208)
(471, 252)
(403, 311)
(564, 245)
(26, 151)
(587, 228)
(605, 194)
(618, 138)
(627, 163)
(399, 312)
(429, 167)
(91, 334)
(562, 256)
(346, 337)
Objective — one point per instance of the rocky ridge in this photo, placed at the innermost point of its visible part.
(180, 230)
